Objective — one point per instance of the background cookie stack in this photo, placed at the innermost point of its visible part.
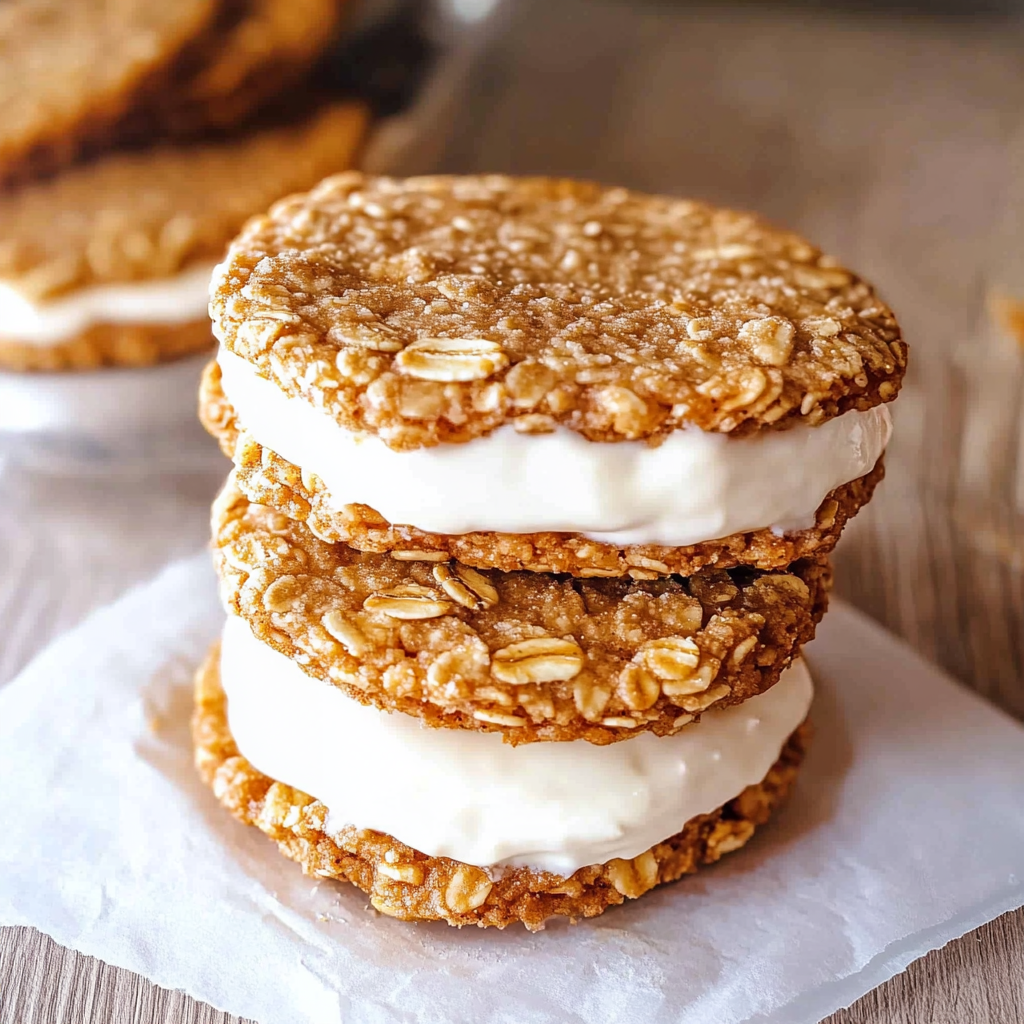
(551, 468)
(136, 139)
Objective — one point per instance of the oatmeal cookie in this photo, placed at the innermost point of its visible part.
(267, 478)
(110, 345)
(270, 47)
(146, 216)
(531, 655)
(406, 884)
(71, 69)
(436, 309)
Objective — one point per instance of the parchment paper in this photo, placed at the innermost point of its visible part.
(906, 829)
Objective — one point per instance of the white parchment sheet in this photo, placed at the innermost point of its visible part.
(906, 829)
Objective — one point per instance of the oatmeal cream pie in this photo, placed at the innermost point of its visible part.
(548, 375)
(532, 656)
(70, 70)
(110, 262)
(453, 825)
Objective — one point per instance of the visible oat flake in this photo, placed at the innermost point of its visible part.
(451, 359)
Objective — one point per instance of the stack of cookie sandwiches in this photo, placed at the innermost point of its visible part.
(136, 139)
(534, 487)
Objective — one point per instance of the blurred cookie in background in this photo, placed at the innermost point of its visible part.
(70, 70)
(77, 76)
(270, 48)
(109, 263)
(136, 142)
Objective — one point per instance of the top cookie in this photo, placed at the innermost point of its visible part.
(71, 68)
(436, 309)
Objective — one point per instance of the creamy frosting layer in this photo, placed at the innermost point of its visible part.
(695, 487)
(466, 795)
(167, 300)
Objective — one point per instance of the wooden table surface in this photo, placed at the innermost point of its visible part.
(896, 144)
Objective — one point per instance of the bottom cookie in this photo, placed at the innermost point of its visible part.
(109, 344)
(406, 884)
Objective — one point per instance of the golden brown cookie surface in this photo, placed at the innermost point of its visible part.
(435, 309)
(268, 479)
(70, 69)
(147, 216)
(406, 884)
(110, 345)
(269, 47)
(531, 655)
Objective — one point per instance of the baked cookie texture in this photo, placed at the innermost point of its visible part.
(71, 69)
(125, 345)
(533, 656)
(267, 478)
(406, 884)
(139, 216)
(142, 216)
(433, 310)
(269, 46)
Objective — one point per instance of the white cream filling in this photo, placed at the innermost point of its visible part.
(166, 300)
(466, 795)
(696, 486)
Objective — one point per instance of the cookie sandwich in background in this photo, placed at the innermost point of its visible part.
(106, 249)
(109, 262)
(80, 76)
(534, 489)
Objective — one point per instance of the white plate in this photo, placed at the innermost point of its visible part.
(131, 420)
